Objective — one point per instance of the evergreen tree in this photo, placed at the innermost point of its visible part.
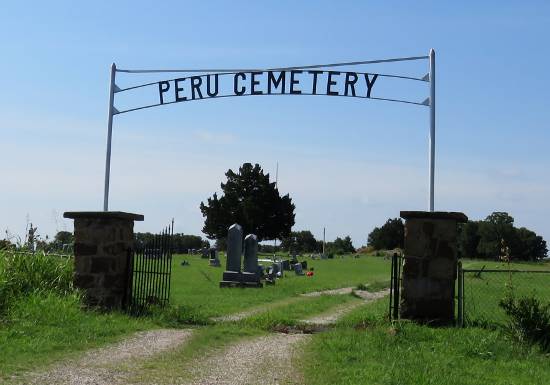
(252, 201)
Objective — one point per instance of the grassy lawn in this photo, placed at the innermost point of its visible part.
(293, 313)
(196, 287)
(483, 291)
(42, 328)
(364, 349)
(479, 264)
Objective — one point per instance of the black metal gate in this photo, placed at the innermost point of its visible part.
(150, 268)
(395, 286)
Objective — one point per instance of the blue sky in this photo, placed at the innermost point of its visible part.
(347, 164)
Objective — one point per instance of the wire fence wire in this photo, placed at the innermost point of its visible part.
(483, 290)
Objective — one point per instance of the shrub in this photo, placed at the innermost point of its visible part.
(25, 273)
(529, 320)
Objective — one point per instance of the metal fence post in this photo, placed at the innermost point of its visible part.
(392, 283)
(460, 295)
(397, 283)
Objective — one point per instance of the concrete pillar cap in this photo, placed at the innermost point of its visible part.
(103, 215)
(453, 215)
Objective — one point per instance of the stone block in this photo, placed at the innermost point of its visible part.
(250, 277)
(84, 281)
(442, 268)
(413, 267)
(114, 281)
(115, 248)
(102, 265)
(82, 264)
(231, 276)
(85, 248)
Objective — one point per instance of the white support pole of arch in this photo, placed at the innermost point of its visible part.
(432, 127)
(109, 136)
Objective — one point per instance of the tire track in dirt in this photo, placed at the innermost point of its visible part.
(109, 365)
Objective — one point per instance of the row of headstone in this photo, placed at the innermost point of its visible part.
(250, 273)
(203, 251)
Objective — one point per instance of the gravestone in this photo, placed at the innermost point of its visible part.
(214, 260)
(250, 269)
(205, 252)
(286, 264)
(275, 268)
(280, 269)
(298, 269)
(270, 276)
(430, 263)
(232, 274)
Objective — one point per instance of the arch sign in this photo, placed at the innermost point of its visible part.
(322, 79)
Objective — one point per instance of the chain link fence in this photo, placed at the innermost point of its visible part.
(480, 292)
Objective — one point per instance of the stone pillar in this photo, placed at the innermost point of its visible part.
(429, 269)
(232, 274)
(102, 242)
(250, 273)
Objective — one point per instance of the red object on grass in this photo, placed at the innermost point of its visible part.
(309, 273)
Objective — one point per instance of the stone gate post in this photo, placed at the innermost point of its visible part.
(429, 270)
(102, 241)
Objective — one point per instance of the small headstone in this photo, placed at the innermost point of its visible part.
(286, 265)
(275, 268)
(261, 271)
(214, 260)
(298, 269)
(250, 268)
(205, 253)
(234, 252)
(270, 276)
(280, 269)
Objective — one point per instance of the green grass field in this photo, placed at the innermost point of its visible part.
(484, 290)
(366, 349)
(42, 326)
(196, 287)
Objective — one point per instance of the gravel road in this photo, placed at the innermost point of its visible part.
(109, 365)
(337, 312)
(260, 361)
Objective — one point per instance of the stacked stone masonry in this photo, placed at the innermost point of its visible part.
(103, 241)
(430, 263)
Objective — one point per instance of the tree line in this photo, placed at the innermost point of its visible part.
(304, 242)
(482, 239)
(485, 239)
(181, 243)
